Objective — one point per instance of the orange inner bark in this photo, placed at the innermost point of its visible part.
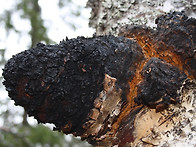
(149, 50)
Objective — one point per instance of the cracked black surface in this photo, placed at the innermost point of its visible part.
(58, 83)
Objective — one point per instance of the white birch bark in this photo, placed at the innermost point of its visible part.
(107, 16)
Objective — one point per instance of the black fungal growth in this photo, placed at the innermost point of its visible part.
(62, 84)
(58, 83)
(160, 84)
(179, 31)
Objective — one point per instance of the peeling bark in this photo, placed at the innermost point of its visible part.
(137, 89)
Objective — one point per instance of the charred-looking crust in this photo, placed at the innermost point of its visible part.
(160, 83)
(59, 83)
(179, 33)
(92, 87)
(173, 40)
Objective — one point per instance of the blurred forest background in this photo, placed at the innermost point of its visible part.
(16, 128)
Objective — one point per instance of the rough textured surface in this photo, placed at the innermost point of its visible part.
(103, 88)
(173, 40)
(159, 85)
(59, 83)
(108, 16)
(172, 127)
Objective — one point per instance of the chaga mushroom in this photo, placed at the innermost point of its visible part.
(59, 83)
(93, 87)
(159, 85)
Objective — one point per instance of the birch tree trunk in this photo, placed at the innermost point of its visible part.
(108, 16)
(175, 126)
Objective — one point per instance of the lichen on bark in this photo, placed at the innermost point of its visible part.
(108, 16)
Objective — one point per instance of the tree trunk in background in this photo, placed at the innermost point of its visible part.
(108, 16)
(175, 126)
